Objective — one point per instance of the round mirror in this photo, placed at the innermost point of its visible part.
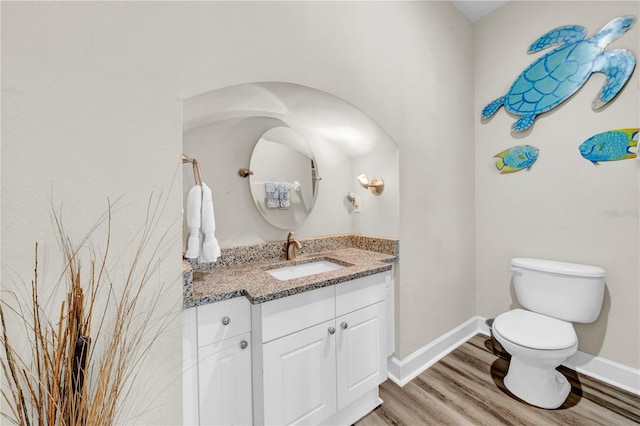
(285, 179)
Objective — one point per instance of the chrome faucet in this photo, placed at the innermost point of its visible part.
(291, 246)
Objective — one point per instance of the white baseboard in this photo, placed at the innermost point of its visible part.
(605, 370)
(403, 371)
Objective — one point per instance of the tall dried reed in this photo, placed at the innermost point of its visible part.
(83, 364)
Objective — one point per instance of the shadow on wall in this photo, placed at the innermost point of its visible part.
(591, 336)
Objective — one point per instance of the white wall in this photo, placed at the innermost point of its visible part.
(431, 119)
(564, 208)
(92, 96)
(377, 215)
(83, 121)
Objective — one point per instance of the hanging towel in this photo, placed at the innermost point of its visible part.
(278, 195)
(284, 196)
(194, 208)
(272, 195)
(210, 248)
(202, 243)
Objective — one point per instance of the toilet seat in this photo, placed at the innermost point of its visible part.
(536, 331)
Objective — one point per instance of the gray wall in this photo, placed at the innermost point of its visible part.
(92, 107)
(564, 208)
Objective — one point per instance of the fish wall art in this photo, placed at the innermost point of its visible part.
(554, 77)
(612, 145)
(516, 158)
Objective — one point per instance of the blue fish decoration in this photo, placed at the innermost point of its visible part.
(554, 77)
(610, 146)
(516, 158)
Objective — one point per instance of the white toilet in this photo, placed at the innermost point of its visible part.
(541, 336)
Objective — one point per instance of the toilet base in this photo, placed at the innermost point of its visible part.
(542, 387)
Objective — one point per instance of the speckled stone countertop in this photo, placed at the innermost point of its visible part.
(231, 277)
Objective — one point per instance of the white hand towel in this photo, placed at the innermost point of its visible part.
(194, 206)
(210, 247)
(284, 197)
(272, 195)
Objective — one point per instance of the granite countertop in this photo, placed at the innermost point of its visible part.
(253, 282)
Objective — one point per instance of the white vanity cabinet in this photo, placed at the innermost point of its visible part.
(223, 391)
(361, 359)
(299, 373)
(319, 356)
(224, 369)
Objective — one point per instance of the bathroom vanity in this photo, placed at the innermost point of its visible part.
(318, 352)
(306, 350)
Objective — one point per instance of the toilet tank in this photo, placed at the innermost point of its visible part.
(567, 291)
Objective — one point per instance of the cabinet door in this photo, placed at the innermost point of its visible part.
(361, 352)
(224, 370)
(299, 375)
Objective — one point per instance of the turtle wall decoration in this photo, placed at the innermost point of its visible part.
(554, 77)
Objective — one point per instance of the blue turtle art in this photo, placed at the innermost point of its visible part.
(557, 75)
(612, 145)
(516, 158)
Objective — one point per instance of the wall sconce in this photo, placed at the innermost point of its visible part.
(375, 185)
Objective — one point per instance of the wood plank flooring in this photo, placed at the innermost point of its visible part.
(466, 388)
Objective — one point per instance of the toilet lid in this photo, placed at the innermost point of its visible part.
(532, 330)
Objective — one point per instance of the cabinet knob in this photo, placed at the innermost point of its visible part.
(244, 344)
(344, 325)
(332, 330)
(226, 321)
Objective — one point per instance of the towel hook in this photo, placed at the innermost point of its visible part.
(196, 168)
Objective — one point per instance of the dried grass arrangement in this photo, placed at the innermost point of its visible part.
(82, 365)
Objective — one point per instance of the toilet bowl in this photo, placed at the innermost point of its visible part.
(537, 344)
(541, 336)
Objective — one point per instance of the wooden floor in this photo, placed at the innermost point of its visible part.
(466, 388)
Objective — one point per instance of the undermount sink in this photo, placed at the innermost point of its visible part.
(304, 269)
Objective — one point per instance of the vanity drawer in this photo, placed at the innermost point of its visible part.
(293, 313)
(361, 292)
(220, 320)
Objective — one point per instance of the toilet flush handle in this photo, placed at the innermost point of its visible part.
(518, 270)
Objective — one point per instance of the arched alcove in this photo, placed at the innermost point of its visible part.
(221, 128)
